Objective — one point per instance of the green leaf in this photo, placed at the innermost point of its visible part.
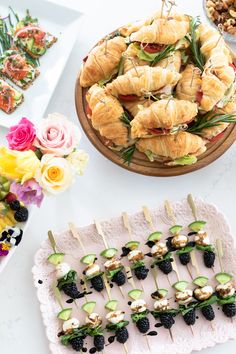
(154, 58)
(186, 249)
(208, 248)
(210, 120)
(70, 277)
(156, 314)
(229, 300)
(164, 258)
(126, 118)
(121, 66)
(194, 46)
(103, 82)
(111, 273)
(95, 331)
(138, 316)
(212, 300)
(137, 264)
(185, 309)
(127, 153)
(94, 275)
(76, 332)
(113, 327)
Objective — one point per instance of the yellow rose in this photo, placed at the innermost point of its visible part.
(18, 165)
(56, 174)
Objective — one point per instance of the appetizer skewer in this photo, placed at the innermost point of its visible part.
(204, 294)
(178, 242)
(113, 265)
(92, 272)
(93, 327)
(117, 324)
(162, 310)
(72, 333)
(135, 256)
(159, 250)
(140, 313)
(226, 294)
(66, 277)
(201, 238)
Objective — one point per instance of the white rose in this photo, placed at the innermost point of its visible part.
(55, 175)
(78, 159)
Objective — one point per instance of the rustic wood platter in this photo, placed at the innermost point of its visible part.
(140, 163)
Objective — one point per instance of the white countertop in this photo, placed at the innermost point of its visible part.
(105, 190)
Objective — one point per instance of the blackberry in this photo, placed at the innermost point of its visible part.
(167, 320)
(190, 317)
(99, 342)
(119, 278)
(184, 258)
(21, 215)
(71, 290)
(141, 273)
(165, 266)
(125, 251)
(229, 310)
(77, 343)
(143, 325)
(208, 313)
(122, 335)
(15, 205)
(97, 283)
(209, 258)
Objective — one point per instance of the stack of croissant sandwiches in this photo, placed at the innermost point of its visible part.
(152, 81)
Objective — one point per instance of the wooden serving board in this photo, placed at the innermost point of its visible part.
(140, 163)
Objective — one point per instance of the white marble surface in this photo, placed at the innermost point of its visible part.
(104, 191)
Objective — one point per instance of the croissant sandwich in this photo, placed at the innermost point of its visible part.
(131, 58)
(162, 31)
(142, 81)
(163, 117)
(135, 106)
(102, 62)
(213, 133)
(180, 149)
(105, 114)
(189, 86)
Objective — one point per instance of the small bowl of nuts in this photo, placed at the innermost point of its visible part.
(222, 13)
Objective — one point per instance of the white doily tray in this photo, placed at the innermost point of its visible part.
(205, 334)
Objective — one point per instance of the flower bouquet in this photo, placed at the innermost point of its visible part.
(41, 159)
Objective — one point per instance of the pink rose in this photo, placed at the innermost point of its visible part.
(21, 136)
(57, 135)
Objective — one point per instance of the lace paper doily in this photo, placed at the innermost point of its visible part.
(205, 334)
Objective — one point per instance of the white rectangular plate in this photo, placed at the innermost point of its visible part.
(205, 334)
(63, 23)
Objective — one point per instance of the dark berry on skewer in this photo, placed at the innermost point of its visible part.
(77, 344)
(143, 325)
(122, 335)
(165, 266)
(99, 342)
(209, 258)
(119, 278)
(208, 313)
(141, 273)
(167, 320)
(71, 290)
(229, 310)
(190, 317)
(184, 258)
(97, 283)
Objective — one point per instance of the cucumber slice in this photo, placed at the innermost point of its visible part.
(175, 229)
(155, 236)
(65, 314)
(88, 259)
(162, 292)
(132, 245)
(135, 294)
(111, 305)
(89, 307)
(200, 281)
(197, 226)
(56, 258)
(109, 253)
(180, 285)
(223, 278)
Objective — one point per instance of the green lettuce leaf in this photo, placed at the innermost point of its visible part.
(113, 327)
(70, 277)
(229, 300)
(212, 300)
(138, 316)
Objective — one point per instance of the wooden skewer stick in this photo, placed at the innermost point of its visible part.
(101, 233)
(126, 222)
(162, 7)
(172, 3)
(220, 253)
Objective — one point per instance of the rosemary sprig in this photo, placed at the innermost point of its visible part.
(197, 56)
(14, 14)
(5, 40)
(208, 121)
(125, 118)
(127, 154)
